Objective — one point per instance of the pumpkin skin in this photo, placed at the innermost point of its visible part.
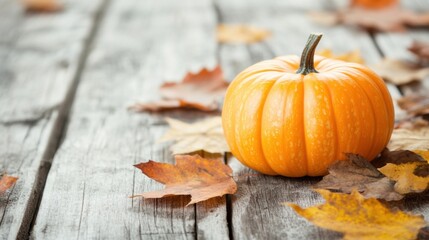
(374, 4)
(280, 122)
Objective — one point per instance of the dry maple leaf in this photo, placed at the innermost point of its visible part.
(390, 17)
(202, 91)
(192, 175)
(410, 177)
(410, 139)
(400, 72)
(360, 218)
(356, 173)
(420, 49)
(6, 182)
(42, 5)
(352, 56)
(241, 33)
(206, 135)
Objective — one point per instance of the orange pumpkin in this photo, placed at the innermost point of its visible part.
(374, 4)
(294, 117)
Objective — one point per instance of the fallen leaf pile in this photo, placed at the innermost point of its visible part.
(400, 172)
(400, 72)
(410, 139)
(386, 17)
(352, 56)
(206, 135)
(202, 91)
(42, 5)
(192, 175)
(360, 218)
(241, 33)
(417, 112)
(356, 173)
(6, 182)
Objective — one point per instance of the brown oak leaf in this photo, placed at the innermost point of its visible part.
(42, 5)
(420, 49)
(360, 218)
(206, 135)
(203, 91)
(241, 33)
(400, 72)
(192, 175)
(356, 173)
(6, 182)
(390, 17)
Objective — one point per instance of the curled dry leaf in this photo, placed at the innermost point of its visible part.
(202, 91)
(356, 173)
(390, 17)
(410, 139)
(241, 33)
(410, 176)
(192, 175)
(42, 5)
(206, 135)
(420, 49)
(360, 218)
(352, 56)
(400, 72)
(6, 182)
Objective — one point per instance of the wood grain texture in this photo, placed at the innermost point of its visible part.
(36, 74)
(140, 45)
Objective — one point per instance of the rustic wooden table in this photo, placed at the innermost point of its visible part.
(67, 78)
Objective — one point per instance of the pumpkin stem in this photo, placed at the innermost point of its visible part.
(306, 65)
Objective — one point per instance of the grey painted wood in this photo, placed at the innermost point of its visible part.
(40, 55)
(140, 45)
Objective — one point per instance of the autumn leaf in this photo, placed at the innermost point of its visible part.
(206, 135)
(420, 49)
(192, 175)
(203, 91)
(6, 182)
(42, 5)
(410, 139)
(241, 33)
(390, 17)
(352, 56)
(400, 72)
(360, 218)
(415, 105)
(356, 173)
(410, 176)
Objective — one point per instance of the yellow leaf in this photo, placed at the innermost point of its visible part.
(410, 177)
(206, 135)
(423, 153)
(352, 56)
(241, 33)
(360, 218)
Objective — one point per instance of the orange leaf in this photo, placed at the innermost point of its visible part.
(241, 33)
(42, 5)
(203, 91)
(360, 218)
(192, 175)
(6, 182)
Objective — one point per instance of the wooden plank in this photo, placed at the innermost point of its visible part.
(141, 44)
(37, 76)
(257, 210)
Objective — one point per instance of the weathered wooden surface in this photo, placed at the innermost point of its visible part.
(37, 77)
(134, 46)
